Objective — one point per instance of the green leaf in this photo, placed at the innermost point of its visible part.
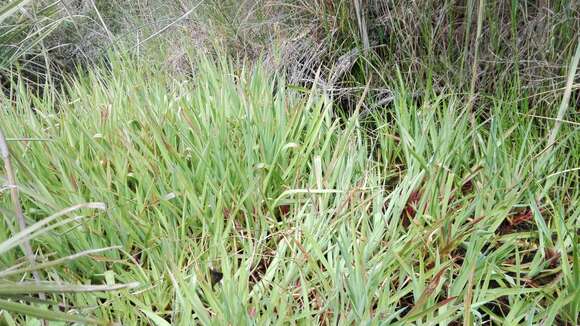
(44, 314)
(9, 9)
(158, 321)
(34, 287)
(40, 227)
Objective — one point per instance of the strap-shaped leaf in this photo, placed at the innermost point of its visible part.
(10, 8)
(8, 289)
(43, 313)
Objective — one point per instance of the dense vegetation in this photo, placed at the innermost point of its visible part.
(289, 162)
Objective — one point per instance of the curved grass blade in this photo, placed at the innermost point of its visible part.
(45, 314)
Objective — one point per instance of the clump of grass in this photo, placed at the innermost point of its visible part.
(23, 30)
(474, 48)
(235, 198)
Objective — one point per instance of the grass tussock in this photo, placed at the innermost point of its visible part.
(311, 162)
(235, 197)
(474, 47)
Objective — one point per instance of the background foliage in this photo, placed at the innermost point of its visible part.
(291, 161)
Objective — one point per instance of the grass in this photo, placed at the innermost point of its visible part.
(333, 162)
(419, 214)
(480, 47)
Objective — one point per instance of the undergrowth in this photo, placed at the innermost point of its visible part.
(234, 197)
(331, 162)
